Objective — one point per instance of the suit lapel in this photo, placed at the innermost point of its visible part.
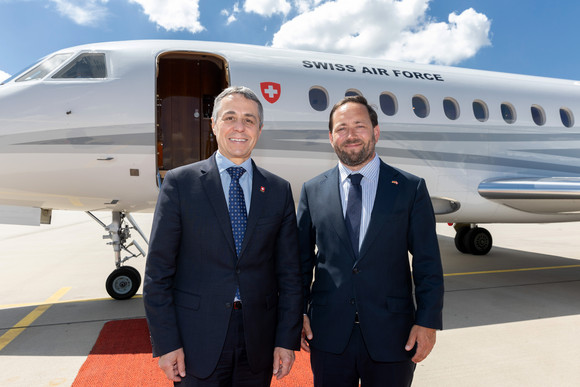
(259, 198)
(387, 191)
(333, 202)
(212, 184)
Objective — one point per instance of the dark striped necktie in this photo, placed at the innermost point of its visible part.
(354, 210)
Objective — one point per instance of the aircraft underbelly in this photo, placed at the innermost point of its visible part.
(79, 181)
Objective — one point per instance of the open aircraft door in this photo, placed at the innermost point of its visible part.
(187, 84)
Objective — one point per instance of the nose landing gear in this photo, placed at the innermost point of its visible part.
(124, 281)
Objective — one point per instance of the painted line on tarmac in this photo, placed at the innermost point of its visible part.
(21, 325)
(511, 270)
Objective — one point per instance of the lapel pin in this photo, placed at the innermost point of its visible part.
(262, 189)
(395, 182)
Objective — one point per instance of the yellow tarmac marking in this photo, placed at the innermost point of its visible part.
(511, 270)
(20, 326)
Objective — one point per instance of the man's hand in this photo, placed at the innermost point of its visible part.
(306, 334)
(173, 364)
(283, 360)
(425, 339)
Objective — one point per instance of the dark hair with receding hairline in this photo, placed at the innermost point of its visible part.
(355, 99)
(243, 91)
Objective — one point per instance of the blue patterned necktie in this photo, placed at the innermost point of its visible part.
(354, 210)
(238, 214)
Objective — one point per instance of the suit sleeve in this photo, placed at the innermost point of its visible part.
(289, 323)
(160, 269)
(427, 270)
(307, 244)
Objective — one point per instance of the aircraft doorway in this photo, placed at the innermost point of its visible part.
(187, 84)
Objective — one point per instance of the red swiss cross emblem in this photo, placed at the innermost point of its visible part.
(271, 91)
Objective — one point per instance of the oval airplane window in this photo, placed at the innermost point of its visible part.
(566, 117)
(538, 115)
(388, 104)
(508, 113)
(318, 98)
(480, 111)
(352, 93)
(451, 108)
(420, 106)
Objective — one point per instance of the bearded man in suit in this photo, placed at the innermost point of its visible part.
(358, 222)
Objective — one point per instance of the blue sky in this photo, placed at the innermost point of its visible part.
(516, 36)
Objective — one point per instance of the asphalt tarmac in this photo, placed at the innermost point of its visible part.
(511, 318)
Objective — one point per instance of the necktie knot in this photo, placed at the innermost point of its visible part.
(236, 172)
(355, 178)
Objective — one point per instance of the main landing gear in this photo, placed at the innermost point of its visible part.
(470, 239)
(124, 281)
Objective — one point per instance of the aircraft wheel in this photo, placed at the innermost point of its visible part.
(123, 283)
(460, 241)
(479, 241)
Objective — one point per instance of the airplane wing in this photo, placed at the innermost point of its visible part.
(537, 194)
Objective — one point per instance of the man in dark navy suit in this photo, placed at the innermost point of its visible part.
(222, 289)
(358, 222)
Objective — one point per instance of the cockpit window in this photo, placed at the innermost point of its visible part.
(89, 65)
(43, 68)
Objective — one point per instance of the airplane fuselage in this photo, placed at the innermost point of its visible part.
(492, 147)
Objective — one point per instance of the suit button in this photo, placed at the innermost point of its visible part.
(228, 305)
(238, 271)
(352, 301)
(355, 270)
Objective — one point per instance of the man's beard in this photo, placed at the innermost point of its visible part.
(358, 158)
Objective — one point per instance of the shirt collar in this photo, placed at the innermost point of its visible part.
(369, 171)
(224, 163)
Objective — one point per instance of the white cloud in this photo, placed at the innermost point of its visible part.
(267, 7)
(233, 15)
(82, 12)
(388, 29)
(306, 5)
(3, 76)
(444, 43)
(173, 15)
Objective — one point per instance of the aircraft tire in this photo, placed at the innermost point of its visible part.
(123, 283)
(479, 241)
(461, 243)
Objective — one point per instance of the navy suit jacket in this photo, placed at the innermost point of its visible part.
(379, 285)
(192, 270)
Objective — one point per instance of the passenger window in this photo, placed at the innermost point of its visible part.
(388, 104)
(451, 108)
(352, 93)
(318, 97)
(420, 106)
(89, 65)
(44, 68)
(538, 115)
(566, 117)
(508, 113)
(480, 111)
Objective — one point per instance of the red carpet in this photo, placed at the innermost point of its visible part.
(122, 357)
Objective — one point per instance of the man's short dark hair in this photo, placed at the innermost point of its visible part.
(355, 99)
(246, 93)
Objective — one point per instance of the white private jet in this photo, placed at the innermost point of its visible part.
(95, 127)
